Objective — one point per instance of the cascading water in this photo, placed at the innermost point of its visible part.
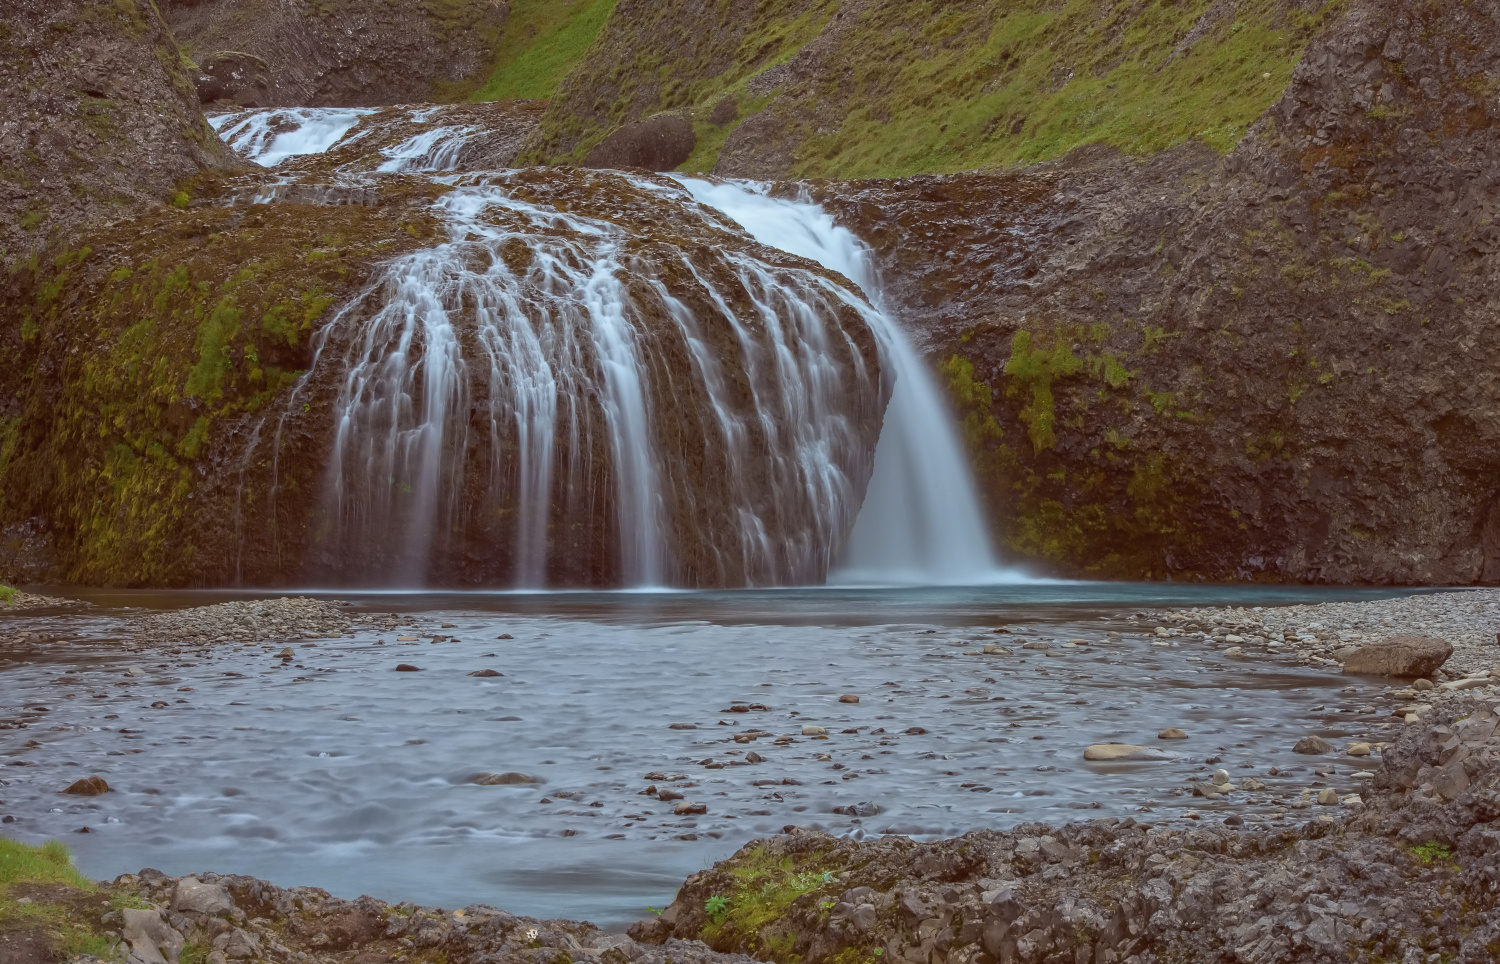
(269, 137)
(921, 521)
(550, 398)
(597, 382)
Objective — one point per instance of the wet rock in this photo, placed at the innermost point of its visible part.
(1328, 797)
(1171, 733)
(486, 673)
(90, 786)
(686, 807)
(667, 794)
(1313, 745)
(1399, 656)
(508, 779)
(1234, 652)
(848, 698)
(753, 757)
(864, 808)
(813, 730)
(1117, 752)
(407, 668)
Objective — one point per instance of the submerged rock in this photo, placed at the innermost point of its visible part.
(88, 787)
(1113, 752)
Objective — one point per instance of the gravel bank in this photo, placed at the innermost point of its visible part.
(261, 620)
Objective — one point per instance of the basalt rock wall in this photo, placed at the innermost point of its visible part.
(100, 116)
(335, 53)
(1279, 364)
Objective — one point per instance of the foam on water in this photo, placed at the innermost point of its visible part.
(269, 137)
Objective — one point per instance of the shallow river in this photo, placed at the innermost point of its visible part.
(337, 771)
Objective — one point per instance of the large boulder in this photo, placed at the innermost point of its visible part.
(1404, 656)
(657, 143)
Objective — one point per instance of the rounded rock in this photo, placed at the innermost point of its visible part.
(1171, 733)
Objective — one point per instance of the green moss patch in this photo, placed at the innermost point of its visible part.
(45, 901)
(542, 41)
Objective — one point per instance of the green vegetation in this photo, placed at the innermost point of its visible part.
(929, 86)
(1433, 853)
(766, 887)
(542, 41)
(7, 593)
(42, 892)
(1036, 368)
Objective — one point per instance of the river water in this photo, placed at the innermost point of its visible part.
(338, 771)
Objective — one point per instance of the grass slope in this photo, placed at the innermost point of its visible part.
(543, 40)
(910, 86)
(43, 896)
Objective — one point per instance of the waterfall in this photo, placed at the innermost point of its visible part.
(596, 381)
(921, 522)
(632, 397)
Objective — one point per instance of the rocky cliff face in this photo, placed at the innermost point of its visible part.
(317, 53)
(100, 115)
(1276, 365)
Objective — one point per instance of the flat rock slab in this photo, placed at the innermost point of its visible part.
(1112, 752)
(1404, 656)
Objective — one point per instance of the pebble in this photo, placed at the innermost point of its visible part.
(1109, 752)
(1171, 733)
(848, 698)
(407, 668)
(813, 730)
(507, 779)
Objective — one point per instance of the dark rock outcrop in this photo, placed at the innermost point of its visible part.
(335, 53)
(99, 116)
(1275, 365)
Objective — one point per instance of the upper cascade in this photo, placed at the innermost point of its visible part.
(608, 379)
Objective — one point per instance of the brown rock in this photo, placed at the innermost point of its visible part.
(88, 787)
(1171, 733)
(1403, 656)
(1313, 746)
(848, 698)
(657, 143)
(507, 779)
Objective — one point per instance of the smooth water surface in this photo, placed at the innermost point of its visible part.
(337, 770)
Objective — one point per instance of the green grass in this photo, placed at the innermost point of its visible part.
(542, 41)
(945, 85)
(7, 593)
(48, 864)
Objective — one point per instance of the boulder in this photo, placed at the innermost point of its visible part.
(88, 787)
(1404, 656)
(657, 143)
(1313, 746)
(508, 779)
(231, 78)
(151, 939)
(193, 896)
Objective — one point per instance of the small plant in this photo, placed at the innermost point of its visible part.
(180, 199)
(656, 911)
(1433, 852)
(717, 908)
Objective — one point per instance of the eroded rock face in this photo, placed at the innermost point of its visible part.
(325, 53)
(1236, 368)
(99, 117)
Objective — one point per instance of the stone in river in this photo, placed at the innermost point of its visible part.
(753, 757)
(1358, 749)
(446, 626)
(688, 806)
(1171, 733)
(915, 731)
(406, 639)
(848, 698)
(683, 726)
(812, 729)
(1312, 746)
(1401, 656)
(1421, 685)
(88, 787)
(1328, 796)
(507, 779)
(486, 673)
(407, 668)
(135, 671)
(862, 809)
(665, 794)
(1234, 652)
(1108, 752)
(993, 649)
(505, 636)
